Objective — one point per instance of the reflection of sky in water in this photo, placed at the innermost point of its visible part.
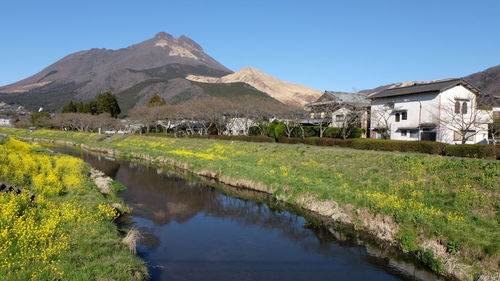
(195, 232)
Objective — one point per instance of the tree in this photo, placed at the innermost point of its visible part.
(38, 118)
(293, 120)
(276, 129)
(355, 115)
(380, 119)
(326, 111)
(156, 100)
(70, 107)
(464, 116)
(107, 103)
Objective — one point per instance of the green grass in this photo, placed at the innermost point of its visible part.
(63, 235)
(453, 201)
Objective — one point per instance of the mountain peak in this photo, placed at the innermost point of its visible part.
(250, 69)
(162, 35)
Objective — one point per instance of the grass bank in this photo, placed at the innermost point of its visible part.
(443, 210)
(66, 231)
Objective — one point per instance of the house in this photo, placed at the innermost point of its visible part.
(450, 111)
(5, 122)
(340, 109)
(238, 126)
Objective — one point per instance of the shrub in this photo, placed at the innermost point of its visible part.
(254, 131)
(472, 150)
(428, 147)
(276, 129)
(332, 133)
(357, 133)
(236, 138)
(310, 131)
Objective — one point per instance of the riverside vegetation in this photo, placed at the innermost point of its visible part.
(66, 231)
(443, 210)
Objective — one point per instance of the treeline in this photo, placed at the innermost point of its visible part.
(278, 129)
(105, 103)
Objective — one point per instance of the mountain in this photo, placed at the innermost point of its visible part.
(157, 65)
(487, 81)
(85, 74)
(285, 92)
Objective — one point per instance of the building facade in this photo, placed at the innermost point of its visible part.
(449, 111)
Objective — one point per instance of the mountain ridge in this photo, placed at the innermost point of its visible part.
(285, 92)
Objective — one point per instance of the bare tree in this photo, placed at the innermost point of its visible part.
(150, 116)
(326, 110)
(355, 115)
(464, 116)
(292, 120)
(84, 122)
(380, 119)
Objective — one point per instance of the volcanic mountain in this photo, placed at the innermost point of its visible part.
(158, 65)
(285, 92)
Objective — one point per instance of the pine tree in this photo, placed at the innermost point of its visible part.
(156, 100)
(69, 108)
(107, 103)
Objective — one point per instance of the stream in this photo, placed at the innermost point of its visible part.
(194, 231)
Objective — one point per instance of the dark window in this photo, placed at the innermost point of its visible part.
(403, 133)
(464, 107)
(414, 134)
(457, 107)
(397, 117)
(404, 115)
(339, 118)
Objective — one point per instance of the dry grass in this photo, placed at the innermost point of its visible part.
(131, 239)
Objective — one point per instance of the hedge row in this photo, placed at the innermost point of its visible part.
(429, 147)
(484, 151)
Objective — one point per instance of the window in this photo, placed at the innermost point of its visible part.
(414, 134)
(397, 117)
(457, 136)
(404, 133)
(457, 107)
(339, 118)
(404, 115)
(461, 108)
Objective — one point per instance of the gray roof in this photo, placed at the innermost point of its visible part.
(434, 87)
(341, 98)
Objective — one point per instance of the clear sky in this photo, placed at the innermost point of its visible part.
(327, 45)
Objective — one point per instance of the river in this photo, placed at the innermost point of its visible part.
(194, 231)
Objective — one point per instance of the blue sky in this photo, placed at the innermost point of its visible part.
(327, 45)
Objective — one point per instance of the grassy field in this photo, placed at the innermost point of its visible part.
(452, 201)
(66, 232)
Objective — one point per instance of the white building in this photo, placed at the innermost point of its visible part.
(5, 122)
(445, 111)
(238, 126)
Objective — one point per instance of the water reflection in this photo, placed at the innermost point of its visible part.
(195, 232)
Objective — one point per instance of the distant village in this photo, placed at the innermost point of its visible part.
(449, 111)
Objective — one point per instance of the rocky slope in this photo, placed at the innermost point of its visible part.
(285, 92)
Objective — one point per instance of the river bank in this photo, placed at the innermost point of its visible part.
(60, 227)
(194, 228)
(442, 210)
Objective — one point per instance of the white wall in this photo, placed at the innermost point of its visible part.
(409, 103)
(426, 108)
(447, 103)
(5, 123)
